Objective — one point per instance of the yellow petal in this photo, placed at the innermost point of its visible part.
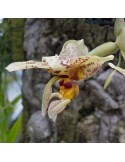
(26, 65)
(86, 66)
(117, 68)
(68, 88)
(47, 95)
(57, 107)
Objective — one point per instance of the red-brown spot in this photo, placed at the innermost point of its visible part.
(64, 64)
(57, 71)
(68, 85)
(64, 76)
(74, 76)
(61, 82)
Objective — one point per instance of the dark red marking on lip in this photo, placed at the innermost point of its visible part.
(68, 85)
(61, 83)
(74, 77)
(64, 76)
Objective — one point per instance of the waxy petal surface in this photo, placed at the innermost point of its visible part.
(26, 65)
(72, 49)
(86, 66)
(57, 107)
(47, 95)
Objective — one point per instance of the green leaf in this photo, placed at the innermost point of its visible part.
(16, 100)
(3, 130)
(108, 80)
(14, 131)
(2, 96)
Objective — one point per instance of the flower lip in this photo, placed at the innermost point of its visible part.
(61, 83)
(68, 88)
(68, 85)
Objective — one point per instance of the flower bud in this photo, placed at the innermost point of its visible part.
(120, 41)
(119, 24)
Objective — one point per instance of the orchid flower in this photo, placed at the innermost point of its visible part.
(73, 64)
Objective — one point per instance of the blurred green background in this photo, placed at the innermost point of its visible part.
(11, 49)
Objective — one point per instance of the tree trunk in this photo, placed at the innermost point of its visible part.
(95, 115)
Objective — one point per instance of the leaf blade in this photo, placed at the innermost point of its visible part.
(14, 131)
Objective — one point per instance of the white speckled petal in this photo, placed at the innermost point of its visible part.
(72, 49)
(26, 65)
(57, 107)
(51, 60)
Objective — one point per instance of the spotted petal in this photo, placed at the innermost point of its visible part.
(72, 49)
(117, 68)
(86, 66)
(26, 65)
(57, 107)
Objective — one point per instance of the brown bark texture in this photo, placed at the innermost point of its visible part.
(95, 115)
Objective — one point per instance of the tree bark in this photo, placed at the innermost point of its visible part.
(95, 115)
